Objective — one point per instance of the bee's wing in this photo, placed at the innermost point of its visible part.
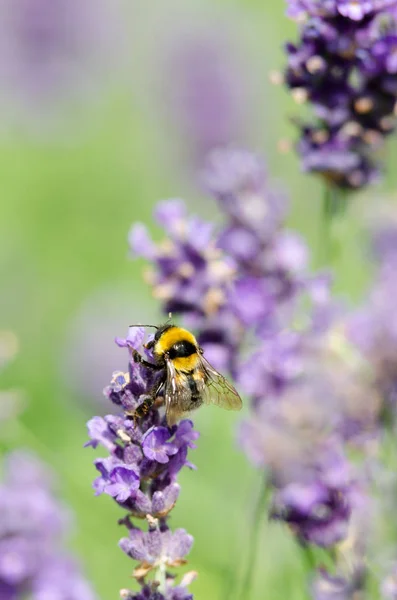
(217, 389)
(177, 394)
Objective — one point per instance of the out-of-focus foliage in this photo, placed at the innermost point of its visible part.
(70, 187)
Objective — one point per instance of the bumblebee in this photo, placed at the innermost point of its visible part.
(188, 379)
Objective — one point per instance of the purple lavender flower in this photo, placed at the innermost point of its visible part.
(32, 525)
(140, 472)
(343, 65)
(298, 440)
(52, 50)
(373, 327)
(206, 90)
(211, 100)
(317, 504)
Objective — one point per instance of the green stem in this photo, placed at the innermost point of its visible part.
(335, 203)
(390, 171)
(253, 539)
(309, 558)
(334, 207)
(160, 577)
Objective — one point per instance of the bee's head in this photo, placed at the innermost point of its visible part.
(162, 329)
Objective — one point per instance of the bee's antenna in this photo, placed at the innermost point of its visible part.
(139, 325)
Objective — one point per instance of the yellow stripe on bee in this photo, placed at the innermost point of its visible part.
(170, 337)
(185, 363)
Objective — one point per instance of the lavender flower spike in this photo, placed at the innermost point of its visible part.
(52, 52)
(140, 474)
(344, 65)
(373, 327)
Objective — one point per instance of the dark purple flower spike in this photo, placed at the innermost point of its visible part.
(344, 65)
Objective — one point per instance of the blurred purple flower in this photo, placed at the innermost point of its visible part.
(238, 180)
(140, 471)
(373, 329)
(61, 570)
(318, 507)
(32, 526)
(53, 50)
(334, 587)
(211, 100)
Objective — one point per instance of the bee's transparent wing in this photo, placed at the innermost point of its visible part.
(177, 394)
(217, 388)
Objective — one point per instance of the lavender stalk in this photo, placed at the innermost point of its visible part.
(140, 474)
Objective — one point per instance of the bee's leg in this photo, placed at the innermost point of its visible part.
(157, 390)
(146, 405)
(139, 359)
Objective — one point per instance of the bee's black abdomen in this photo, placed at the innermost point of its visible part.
(182, 349)
(193, 387)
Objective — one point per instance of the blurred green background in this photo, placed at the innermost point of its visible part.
(69, 194)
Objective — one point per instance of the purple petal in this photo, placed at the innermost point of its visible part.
(142, 503)
(100, 433)
(165, 499)
(240, 243)
(135, 545)
(154, 543)
(303, 497)
(124, 482)
(171, 214)
(179, 544)
(251, 300)
(141, 243)
(185, 434)
(155, 446)
(134, 338)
